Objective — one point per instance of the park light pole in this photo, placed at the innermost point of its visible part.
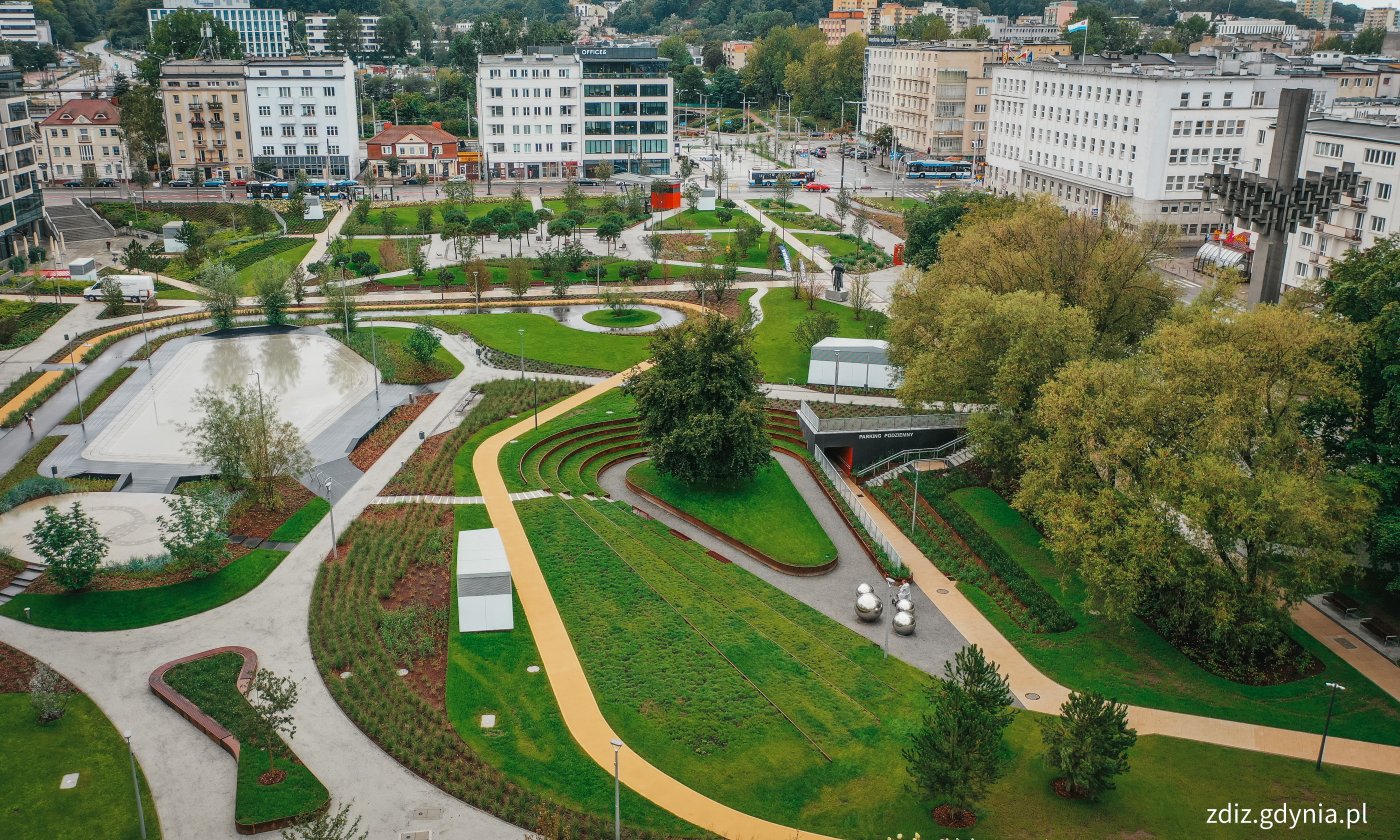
(522, 355)
(1336, 687)
(335, 541)
(136, 784)
(374, 357)
(837, 378)
(476, 287)
(845, 134)
(73, 360)
(617, 789)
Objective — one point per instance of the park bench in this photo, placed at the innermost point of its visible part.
(1379, 629)
(1343, 602)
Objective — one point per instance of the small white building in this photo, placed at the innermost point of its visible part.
(855, 362)
(483, 582)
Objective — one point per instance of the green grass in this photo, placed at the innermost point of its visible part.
(211, 684)
(779, 355)
(174, 293)
(30, 320)
(129, 609)
(286, 260)
(100, 394)
(768, 513)
(370, 247)
(35, 758)
(897, 205)
(1136, 665)
(28, 466)
(619, 320)
(699, 220)
(834, 245)
(549, 341)
(299, 524)
(530, 743)
(407, 216)
(394, 361)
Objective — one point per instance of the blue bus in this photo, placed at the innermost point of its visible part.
(769, 177)
(943, 170)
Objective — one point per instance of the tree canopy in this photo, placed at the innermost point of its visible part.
(177, 35)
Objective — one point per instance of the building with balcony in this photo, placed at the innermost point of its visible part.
(301, 117)
(1318, 10)
(17, 23)
(21, 203)
(262, 31)
(1135, 134)
(206, 118)
(736, 54)
(318, 29)
(83, 138)
(957, 18)
(560, 111)
(1387, 18)
(1059, 13)
(421, 151)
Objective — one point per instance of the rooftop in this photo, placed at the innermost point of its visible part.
(94, 111)
(1357, 129)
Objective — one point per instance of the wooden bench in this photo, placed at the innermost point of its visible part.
(1379, 629)
(1340, 600)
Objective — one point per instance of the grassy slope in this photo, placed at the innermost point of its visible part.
(1135, 665)
(394, 361)
(768, 514)
(35, 758)
(779, 356)
(288, 259)
(28, 466)
(125, 610)
(549, 341)
(299, 524)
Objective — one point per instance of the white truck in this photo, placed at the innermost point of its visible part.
(135, 287)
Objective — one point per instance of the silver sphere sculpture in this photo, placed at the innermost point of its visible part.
(864, 589)
(904, 623)
(904, 605)
(869, 607)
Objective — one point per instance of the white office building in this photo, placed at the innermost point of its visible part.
(318, 26)
(1139, 135)
(17, 23)
(301, 117)
(1256, 26)
(262, 31)
(559, 111)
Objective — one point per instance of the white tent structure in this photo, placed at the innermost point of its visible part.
(858, 362)
(483, 582)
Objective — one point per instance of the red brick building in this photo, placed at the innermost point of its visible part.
(421, 150)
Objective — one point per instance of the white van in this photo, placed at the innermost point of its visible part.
(135, 287)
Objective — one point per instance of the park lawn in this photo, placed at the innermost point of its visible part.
(28, 466)
(1170, 790)
(835, 246)
(592, 206)
(31, 320)
(299, 524)
(755, 257)
(286, 260)
(1136, 665)
(35, 758)
(211, 684)
(698, 220)
(132, 608)
(406, 218)
(547, 340)
(779, 355)
(398, 367)
(530, 743)
(175, 293)
(767, 513)
(100, 394)
(897, 205)
(621, 320)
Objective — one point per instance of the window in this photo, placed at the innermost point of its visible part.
(285, 110)
(654, 90)
(1378, 224)
(1227, 100)
(262, 91)
(597, 147)
(653, 146)
(494, 93)
(284, 92)
(266, 131)
(597, 109)
(597, 90)
(1305, 239)
(332, 149)
(1380, 156)
(311, 131)
(651, 127)
(332, 130)
(289, 149)
(308, 110)
(1332, 150)
(624, 90)
(330, 110)
(654, 109)
(627, 109)
(1205, 100)
(626, 127)
(1185, 99)
(1383, 192)
(597, 127)
(328, 92)
(289, 131)
(566, 147)
(307, 92)
(269, 151)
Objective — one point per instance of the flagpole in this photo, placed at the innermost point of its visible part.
(1085, 50)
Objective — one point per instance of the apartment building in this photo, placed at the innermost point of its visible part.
(301, 117)
(957, 18)
(1386, 18)
(936, 96)
(837, 25)
(1059, 13)
(21, 203)
(83, 138)
(1138, 135)
(421, 151)
(262, 31)
(1256, 26)
(318, 29)
(206, 124)
(559, 111)
(1318, 10)
(890, 16)
(17, 23)
(1373, 147)
(736, 54)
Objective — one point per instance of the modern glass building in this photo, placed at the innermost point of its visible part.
(263, 31)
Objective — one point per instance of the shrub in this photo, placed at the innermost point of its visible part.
(36, 487)
(724, 214)
(49, 694)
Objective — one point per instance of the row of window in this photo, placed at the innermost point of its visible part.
(290, 110)
(596, 91)
(530, 73)
(1075, 166)
(291, 149)
(86, 152)
(307, 130)
(1094, 93)
(1382, 157)
(1093, 145)
(1205, 155)
(1078, 117)
(524, 111)
(625, 127)
(625, 109)
(527, 93)
(623, 147)
(82, 133)
(1227, 99)
(306, 91)
(1208, 128)
(1180, 183)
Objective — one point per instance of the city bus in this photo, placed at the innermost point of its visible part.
(769, 177)
(942, 170)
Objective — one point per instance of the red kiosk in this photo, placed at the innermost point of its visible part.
(665, 194)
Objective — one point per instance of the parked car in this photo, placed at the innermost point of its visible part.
(813, 186)
(820, 152)
(73, 185)
(817, 134)
(457, 179)
(179, 184)
(135, 287)
(708, 156)
(412, 181)
(106, 183)
(587, 182)
(214, 182)
(239, 182)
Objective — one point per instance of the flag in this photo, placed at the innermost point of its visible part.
(1079, 26)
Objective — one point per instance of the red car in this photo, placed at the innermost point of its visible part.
(813, 186)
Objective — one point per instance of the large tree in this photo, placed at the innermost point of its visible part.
(69, 544)
(1182, 485)
(1088, 743)
(927, 222)
(178, 35)
(700, 406)
(241, 433)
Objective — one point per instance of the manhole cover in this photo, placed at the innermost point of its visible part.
(1031, 695)
(941, 591)
(1345, 642)
(488, 721)
(422, 834)
(427, 814)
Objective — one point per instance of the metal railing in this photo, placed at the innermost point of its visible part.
(839, 482)
(899, 460)
(955, 420)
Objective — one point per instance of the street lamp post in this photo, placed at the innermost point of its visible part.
(617, 789)
(837, 378)
(522, 355)
(136, 784)
(73, 360)
(889, 584)
(476, 287)
(1336, 687)
(335, 541)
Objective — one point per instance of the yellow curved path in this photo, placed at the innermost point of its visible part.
(561, 663)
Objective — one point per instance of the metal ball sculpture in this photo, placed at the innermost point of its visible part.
(869, 607)
(904, 623)
(864, 589)
(904, 605)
